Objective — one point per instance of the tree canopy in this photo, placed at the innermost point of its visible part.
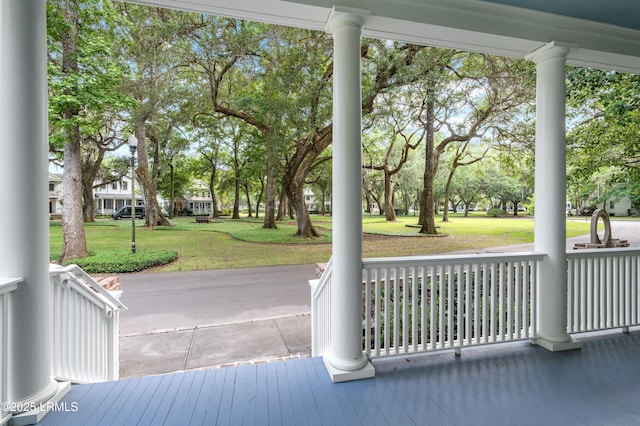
(246, 108)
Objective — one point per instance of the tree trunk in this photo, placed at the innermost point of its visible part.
(213, 160)
(427, 215)
(236, 186)
(154, 216)
(259, 198)
(323, 209)
(445, 214)
(74, 239)
(295, 193)
(282, 205)
(171, 190)
(236, 197)
(270, 202)
(389, 211)
(248, 196)
(89, 214)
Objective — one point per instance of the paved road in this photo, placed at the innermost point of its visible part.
(180, 300)
(621, 230)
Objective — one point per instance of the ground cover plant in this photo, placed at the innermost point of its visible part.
(227, 243)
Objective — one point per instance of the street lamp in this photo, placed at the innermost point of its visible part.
(133, 145)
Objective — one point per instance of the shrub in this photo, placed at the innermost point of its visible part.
(123, 261)
(495, 212)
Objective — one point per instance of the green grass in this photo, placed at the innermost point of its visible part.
(227, 243)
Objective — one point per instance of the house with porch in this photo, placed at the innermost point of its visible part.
(366, 309)
(111, 197)
(197, 198)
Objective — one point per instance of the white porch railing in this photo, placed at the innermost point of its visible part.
(86, 322)
(421, 304)
(321, 311)
(603, 289)
(7, 285)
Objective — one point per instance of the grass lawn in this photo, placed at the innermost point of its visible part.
(227, 243)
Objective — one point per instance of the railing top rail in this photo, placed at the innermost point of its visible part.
(8, 284)
(88, 279)
(603, 252)
(322, 282)
(452, 259)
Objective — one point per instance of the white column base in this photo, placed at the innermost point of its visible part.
(337, 375)
(557, 346)
(44, 407)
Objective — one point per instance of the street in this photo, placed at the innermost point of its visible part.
(182, 300)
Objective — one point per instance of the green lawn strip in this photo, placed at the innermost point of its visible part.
(227, 243)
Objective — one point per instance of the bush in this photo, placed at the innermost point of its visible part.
(106, 262)
(495, 212)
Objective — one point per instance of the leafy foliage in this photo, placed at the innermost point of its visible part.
(604, 129)
(118, 261)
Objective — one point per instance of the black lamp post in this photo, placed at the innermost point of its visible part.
(133, 145)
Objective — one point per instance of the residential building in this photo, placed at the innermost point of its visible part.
(55, 194)
(112, 196)
(197, 199)
(619, 207)
(314, 203)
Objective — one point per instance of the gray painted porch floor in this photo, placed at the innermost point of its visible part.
(509, 384)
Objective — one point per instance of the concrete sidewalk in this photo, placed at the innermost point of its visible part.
(216, 346)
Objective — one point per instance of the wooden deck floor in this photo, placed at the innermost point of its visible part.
(514, 384)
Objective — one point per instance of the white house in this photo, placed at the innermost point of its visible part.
(314, 203)
(197, 198)
(619, 207)
(55, 194)
(550, 34)
(113, 196)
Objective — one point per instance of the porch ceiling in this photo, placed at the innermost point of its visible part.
(603, 36)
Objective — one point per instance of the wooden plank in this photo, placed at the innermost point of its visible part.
(81, 395)
(205, 410)
(284, 394)
(262, 393)
(105, 415)
(226, 401)
(329, 406)
(296, 391)
(175, 399)
(181, 411)
(155, 399)
(297, 368)
(130, 411)
(166, 402)
(96, 408)
(350, 412)
(275, 406)
(243, 409)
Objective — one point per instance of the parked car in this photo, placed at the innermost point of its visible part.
(125, 213)
(588, 211)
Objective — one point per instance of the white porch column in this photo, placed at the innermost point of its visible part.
(550, 196)
(24, 222)
(346, 361)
